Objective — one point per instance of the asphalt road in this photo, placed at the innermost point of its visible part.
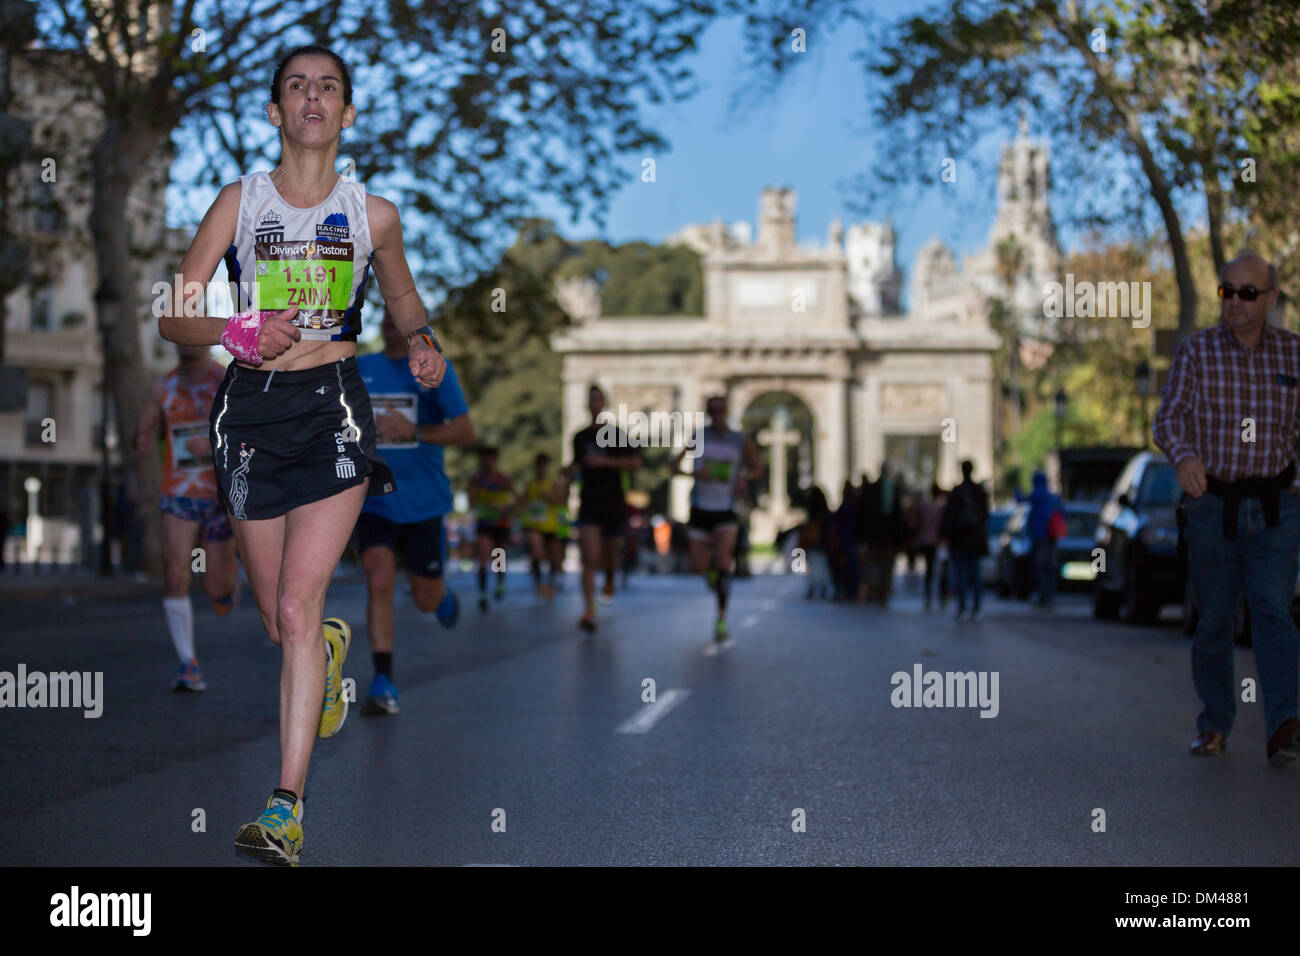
(515, 716)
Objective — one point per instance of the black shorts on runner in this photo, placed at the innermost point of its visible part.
(499, 536)
(284, 439)
(422, 544)
(609, 516)
(704, 523)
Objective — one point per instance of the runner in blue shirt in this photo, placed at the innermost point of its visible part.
(413, 424)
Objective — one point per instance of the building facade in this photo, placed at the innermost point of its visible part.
(53, 352)
(818, 330)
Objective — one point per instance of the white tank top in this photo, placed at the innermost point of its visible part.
(317, 259)
(716, 470)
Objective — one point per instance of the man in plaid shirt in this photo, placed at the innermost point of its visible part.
(1228, 422)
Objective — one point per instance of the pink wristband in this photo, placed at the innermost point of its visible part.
(240, 336)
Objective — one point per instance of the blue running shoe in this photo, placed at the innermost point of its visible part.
(189, 677)
(448, 612)
(382, 699)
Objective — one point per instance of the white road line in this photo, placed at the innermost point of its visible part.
(643, 720)
(750, 621)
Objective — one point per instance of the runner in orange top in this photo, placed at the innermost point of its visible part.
(180, 402)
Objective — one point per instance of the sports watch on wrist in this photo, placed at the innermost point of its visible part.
(425, 333)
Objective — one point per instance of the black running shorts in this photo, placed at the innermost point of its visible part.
(610, 515)
(422, 544)
(703, 523)
(284, 439)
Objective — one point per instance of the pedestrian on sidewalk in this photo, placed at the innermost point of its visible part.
(846, 526)
(965, 518)
(1046, 514)
(881, 529)
(1240, 510)
(812, 537)
(927, 535)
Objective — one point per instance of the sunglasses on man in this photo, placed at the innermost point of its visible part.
(1247, 293)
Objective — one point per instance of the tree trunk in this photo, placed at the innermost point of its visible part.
(1214, 216)
(116, 158)
(1077, 33)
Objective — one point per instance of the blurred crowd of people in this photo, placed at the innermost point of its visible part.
(850, 552)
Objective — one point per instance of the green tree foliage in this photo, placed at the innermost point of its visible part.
(1151, 104)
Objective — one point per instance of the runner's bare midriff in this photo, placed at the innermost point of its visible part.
(306, 354)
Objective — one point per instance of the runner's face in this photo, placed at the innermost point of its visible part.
(311, 109)
(595, 402)
(718, 414)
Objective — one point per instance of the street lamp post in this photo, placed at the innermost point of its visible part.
(1061, 400)
(1142, 379)
(105, 297)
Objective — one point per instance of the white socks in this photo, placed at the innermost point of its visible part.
(180, 622)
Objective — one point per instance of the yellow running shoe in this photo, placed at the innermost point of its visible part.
(335, 708)
(275, 836)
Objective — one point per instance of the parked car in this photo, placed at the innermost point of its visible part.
(1074, 551)
(1138, 532)
(989, 562)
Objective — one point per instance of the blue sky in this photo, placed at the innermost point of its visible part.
(814, 134)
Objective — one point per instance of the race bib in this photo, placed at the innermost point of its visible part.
(313, 274)
(716, 470)
(402, 403)
(182, 456)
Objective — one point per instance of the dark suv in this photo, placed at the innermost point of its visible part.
(1139, 532)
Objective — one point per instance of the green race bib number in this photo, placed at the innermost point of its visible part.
(315, 275)
(717, 470)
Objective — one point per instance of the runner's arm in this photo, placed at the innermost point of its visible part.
(753, 464)
(150, 418)
(628, 462)
(458, 431)
(397, 286)
(180, 312)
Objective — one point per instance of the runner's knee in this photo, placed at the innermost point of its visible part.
(297, 618)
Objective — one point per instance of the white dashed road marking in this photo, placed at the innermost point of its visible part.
(643, 720)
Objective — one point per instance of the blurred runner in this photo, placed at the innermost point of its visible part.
(600, 457)
(414, 424)
(492, 496)
(542, 500)
(726, 459)
(180, 401)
